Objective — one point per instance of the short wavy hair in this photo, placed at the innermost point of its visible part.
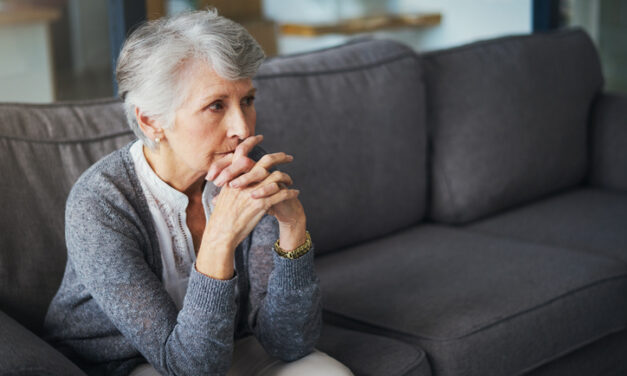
(150, 66)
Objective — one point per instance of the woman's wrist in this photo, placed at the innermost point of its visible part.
(215, 258)
(217, 238)
(291, 236)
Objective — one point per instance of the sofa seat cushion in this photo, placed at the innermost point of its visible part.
(22, 353)
(603, 357)
(353, 116)
(477, 304)
(371, 355)
(589, 219)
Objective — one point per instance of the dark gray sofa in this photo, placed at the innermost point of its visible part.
(469, 205)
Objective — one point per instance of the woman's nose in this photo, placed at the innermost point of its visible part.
(238, 125)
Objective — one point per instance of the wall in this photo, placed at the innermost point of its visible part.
(468, 21)
(25, 65)
(613, 44)
(463, 21)
(90, 35)
(606, 22)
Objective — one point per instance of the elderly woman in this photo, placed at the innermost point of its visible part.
(186, 254)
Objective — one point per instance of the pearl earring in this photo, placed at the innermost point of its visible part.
(157, 140)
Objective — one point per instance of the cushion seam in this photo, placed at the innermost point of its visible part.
(453, 215)
(570, 350)
(546, 303)
(415, 363)
(518, 239)
(367, 66)
(484, 327)
(67, 141)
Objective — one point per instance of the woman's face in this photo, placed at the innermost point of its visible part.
(216, 116)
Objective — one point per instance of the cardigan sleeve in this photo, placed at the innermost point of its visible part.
(104, 239)
(286, 310)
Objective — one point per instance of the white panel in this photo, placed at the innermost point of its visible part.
(25, 66)
(463, 21)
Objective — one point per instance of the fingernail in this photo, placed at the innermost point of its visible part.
(234, 184)
(218, 182)
(290, 156)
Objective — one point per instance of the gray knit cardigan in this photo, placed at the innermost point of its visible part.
(112, 311)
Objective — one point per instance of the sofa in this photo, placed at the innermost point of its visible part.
(468, 205)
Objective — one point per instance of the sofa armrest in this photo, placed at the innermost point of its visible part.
(609, 142)
(23, 353)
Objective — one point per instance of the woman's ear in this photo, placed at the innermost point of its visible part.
(151, 128)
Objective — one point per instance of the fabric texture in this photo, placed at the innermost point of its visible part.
(508, 121)
(43, 151)
(25, 354)
(603, 357)
(477, 304)
(371, 355)
(488, 300)
(609, 137)
(356, 123)
(168, 210)
(587, 219)
(250, 359)
(112, 311)
(364, 354)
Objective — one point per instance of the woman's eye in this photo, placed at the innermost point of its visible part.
(248, 101)
(215, 106)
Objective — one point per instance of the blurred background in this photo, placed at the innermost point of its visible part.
(58, 50)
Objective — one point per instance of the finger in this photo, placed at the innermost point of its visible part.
(242, 149)
(270, 160)
(238, 167)
(266, 190)
(280, 177)
(260, 171)
(218, 166)
(277, 181)
(282, 195)
(255, 175)
(247, 145)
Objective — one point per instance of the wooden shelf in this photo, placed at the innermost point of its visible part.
(363, 25)
(11, 14)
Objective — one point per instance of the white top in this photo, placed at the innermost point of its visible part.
(168, 209)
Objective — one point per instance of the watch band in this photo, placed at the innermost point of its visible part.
(295, 253)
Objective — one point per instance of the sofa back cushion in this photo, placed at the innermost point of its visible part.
(354, 118)
(508, 120)
(43, 150)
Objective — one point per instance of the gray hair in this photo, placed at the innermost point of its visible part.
(149, 69)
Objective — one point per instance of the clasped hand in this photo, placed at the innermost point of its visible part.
(249, 191)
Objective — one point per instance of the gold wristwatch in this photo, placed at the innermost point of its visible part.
(295, 253)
